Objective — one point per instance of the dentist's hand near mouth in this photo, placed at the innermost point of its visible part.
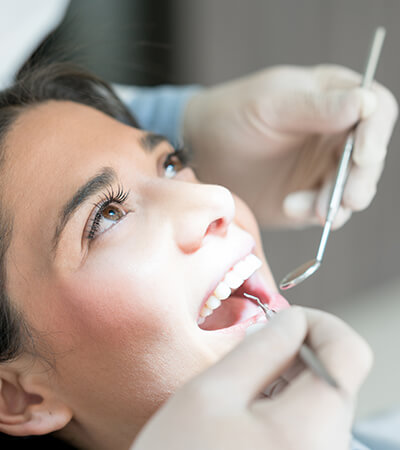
(221, 408)
(275, 138)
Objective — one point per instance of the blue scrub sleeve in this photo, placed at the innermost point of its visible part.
(159, 109)
(381, 432)
(357, 445)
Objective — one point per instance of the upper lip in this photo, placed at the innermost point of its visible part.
(222, 273)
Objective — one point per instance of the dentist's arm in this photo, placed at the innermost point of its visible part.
(221, 408)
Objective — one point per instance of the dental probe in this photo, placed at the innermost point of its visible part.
(303, 272)
(306, 355)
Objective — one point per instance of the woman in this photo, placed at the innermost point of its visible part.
(116, 263)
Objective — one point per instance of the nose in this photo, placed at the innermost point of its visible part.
(198, 212)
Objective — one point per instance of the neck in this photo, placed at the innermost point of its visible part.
(99, 436)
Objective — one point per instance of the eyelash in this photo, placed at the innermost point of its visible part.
(119, 197)
(109, 197)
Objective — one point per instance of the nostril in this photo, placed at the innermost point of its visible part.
(217, 226)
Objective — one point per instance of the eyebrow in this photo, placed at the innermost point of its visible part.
(93, 186)
(151, 140)
(98, 183)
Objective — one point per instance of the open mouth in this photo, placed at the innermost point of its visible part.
(227, 306)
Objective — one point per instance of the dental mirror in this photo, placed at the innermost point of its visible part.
(300, 274)
(303, 272)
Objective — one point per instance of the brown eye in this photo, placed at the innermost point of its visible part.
(173, 164)
(105, 218)
(113, 213)
(108, 212)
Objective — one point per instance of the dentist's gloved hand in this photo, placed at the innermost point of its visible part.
(222, 409)
(275, 138)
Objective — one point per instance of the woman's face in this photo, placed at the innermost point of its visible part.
(115, 250)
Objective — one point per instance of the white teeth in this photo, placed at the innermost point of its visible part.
(232, 280)
(244, 270)
(253, 261)
(213, 302)
(241, 269)
(205, 312)
(222, 291)
(247, 267)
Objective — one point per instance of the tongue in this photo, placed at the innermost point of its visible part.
(232, 311)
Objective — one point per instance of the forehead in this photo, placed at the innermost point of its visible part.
(52, 139)
(56, 130)
(50, 151)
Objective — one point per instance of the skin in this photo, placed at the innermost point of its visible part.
(115, 315)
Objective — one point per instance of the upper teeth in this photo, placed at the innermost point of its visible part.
(239, 273)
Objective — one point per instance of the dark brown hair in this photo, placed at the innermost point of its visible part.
(37, 84)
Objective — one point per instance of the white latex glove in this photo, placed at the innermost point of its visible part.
(275, 139)
(222, 409)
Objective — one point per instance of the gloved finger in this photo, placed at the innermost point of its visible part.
(344, 352)
(333, 76)
(322, 203)
(277, 386)
(345, 355)
(257, 361)
(361, 186)
(373, 134)
(319, 111)
(310, 207)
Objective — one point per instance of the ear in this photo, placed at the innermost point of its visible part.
(28, 403)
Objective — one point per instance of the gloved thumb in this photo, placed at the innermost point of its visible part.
(326, 112)
(300, 207)
(310, 207)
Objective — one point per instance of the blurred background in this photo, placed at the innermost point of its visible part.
(148, 42)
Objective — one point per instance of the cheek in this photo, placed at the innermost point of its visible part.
(108, 302)
(127, 320)
(120, 293)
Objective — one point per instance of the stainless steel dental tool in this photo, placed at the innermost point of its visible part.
(303, 272)
(307, 356)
